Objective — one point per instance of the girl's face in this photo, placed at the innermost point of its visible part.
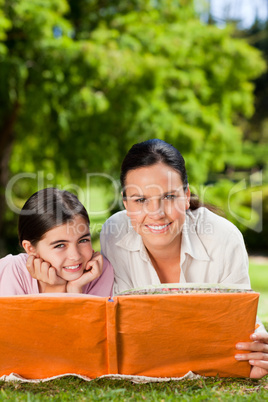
(156, 204)
(67, 248)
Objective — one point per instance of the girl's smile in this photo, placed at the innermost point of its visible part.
(75, 268)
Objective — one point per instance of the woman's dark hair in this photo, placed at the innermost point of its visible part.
(45, 210)
(155, 151)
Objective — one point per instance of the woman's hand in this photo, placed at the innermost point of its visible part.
(46, 275)
(92, 271)
(258, 356)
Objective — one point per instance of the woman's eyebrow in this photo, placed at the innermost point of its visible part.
(154, 196)
(136, 195)
(170, 192)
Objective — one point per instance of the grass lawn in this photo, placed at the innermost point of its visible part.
(74, 389)
(259, 282)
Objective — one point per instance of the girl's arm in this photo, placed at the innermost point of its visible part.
(48, 280)
(93, 270)
(14, 277)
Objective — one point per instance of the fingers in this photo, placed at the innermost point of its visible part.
(43, 271)
(256, 346)
(259, 363)
(37, 267)
(258, 372)
(260, 337)
(92, 271)
(252, 356)
(53, 278)
(257, 355)
(30, 265)
(95, 264)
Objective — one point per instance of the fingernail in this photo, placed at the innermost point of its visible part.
(253, 336)
(238, 357)
(251, 362)
(239, 346)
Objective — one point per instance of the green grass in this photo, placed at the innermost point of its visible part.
(259, 282)
(75, 389)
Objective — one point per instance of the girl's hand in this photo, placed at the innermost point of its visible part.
(92, 271)
(46, 275)
(258, 357)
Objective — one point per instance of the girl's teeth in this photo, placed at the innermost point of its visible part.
(73, 267)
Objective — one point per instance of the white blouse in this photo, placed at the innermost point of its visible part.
(212, 251)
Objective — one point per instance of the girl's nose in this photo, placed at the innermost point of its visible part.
(74, 253)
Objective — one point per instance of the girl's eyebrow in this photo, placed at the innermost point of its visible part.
(67, 241)
(85, 235)
(58, 241)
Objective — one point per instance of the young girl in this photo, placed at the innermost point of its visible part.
(54, 232)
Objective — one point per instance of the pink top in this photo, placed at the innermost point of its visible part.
(16, 280)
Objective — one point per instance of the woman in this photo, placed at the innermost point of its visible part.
(167, 236)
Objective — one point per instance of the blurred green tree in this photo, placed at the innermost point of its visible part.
(81, 81)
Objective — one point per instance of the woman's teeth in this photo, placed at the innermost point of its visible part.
(158, 227)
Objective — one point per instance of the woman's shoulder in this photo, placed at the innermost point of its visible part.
(210, 223)
(116, 226)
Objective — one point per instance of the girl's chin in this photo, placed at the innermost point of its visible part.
(72, 277)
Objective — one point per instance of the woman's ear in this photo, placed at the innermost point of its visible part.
(188, 197)
(124, 200)
(28, 247)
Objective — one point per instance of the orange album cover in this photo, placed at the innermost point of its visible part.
(156, 335)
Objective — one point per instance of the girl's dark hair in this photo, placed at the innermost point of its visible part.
(155, 151)
(46, 209)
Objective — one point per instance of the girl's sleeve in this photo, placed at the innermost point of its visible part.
(13, 277)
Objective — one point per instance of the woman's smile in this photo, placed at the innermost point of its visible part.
(159, 228)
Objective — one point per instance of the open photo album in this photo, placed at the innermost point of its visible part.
(160, 331)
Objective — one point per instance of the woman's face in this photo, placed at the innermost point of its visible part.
(156, 204)
(67, 248)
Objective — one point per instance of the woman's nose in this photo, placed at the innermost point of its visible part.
(155, 208)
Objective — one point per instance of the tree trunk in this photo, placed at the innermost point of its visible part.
(6, 142)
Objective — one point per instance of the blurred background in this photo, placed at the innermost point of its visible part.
(81, 81)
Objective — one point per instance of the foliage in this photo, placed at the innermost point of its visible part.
(256, 129)
(142, 74)
(81, 81)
